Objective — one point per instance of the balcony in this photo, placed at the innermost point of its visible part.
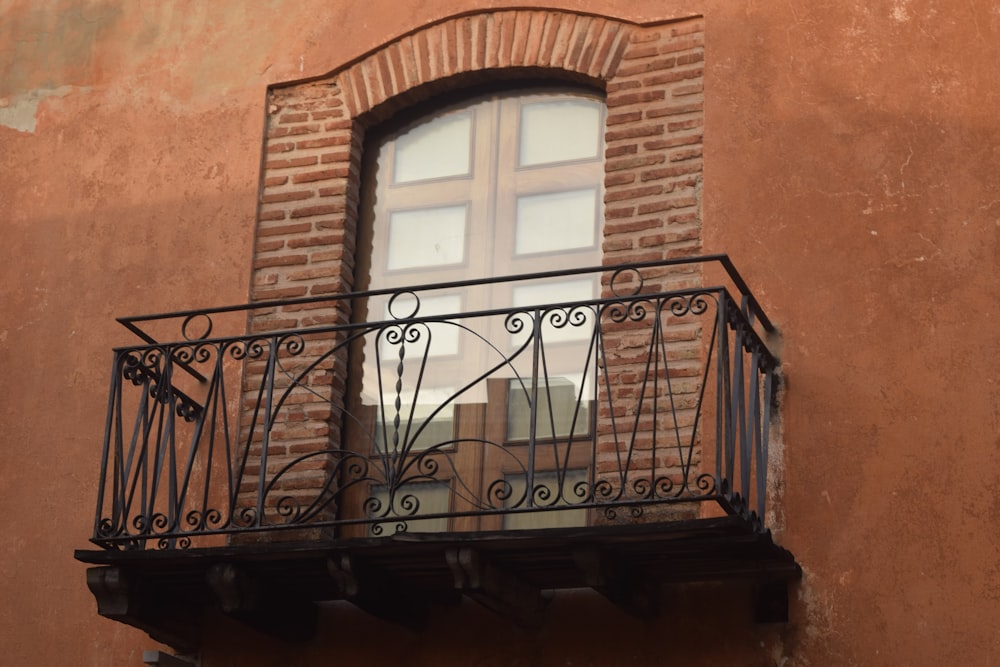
(604, 427)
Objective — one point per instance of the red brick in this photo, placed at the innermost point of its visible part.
(688, 124)
(340, 156)
(666, 204)
(621, 212)
(267, 216)
(687, 154)
(618, 151)
(327, 113)
(691, 43)
(633, 193)
(671, 172)
(291, 228)
(621, 178)
(280, 260)
(613, 244)
(279, 293)
(322, 143)
(616, 86)
(327, 288)
(645, 67)
(333, 190)
(635, 53)
(325, 174)
(626, 117)
(311, 274)
(294, 195)
(269, 245)
(669, 142)
(293, 162)
(690, 58)
(633, 162)
(630, 226)
(310, 211)
(644, 97)
(671, 77)
(345, 124)
(314, 240)
(690, 89)
(295, 130)
(674, 110)
(634, 131)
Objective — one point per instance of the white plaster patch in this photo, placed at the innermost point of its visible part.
(20, 111)
(899, 11)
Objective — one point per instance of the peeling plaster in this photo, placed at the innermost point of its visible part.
(20, 112)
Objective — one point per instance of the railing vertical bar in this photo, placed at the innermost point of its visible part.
(173, 500)
(710, 355)
(722, 341)
(161, 435)
(728, 409)
(266, 428)
(655, 352)
(536, 330)
(134, 464)
(739, 409)
(228, 440)
(762, 467)
(120, 476)
(111, 430)
(752, 443)
(602, 360)
(196, 434)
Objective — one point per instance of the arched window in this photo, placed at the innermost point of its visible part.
(497, 185)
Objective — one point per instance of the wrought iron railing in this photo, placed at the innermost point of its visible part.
(467, 406)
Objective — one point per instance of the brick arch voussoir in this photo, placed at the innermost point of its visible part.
(472, 49)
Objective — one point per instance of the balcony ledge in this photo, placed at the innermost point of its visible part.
(273, 586)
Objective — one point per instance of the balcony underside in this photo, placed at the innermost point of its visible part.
(273, 586)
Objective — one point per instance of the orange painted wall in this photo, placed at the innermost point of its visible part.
(851, 170)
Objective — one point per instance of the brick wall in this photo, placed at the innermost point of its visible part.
(306, 227)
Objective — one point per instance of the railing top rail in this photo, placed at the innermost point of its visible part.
(133, 323)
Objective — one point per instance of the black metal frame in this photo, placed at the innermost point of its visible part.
(177, 463)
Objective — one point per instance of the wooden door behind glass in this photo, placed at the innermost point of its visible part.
(500, 185)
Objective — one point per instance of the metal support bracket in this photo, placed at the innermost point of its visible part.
(243, 597)
(165, 620)
(770, 602)
(502, 592)
(377, 592)
(618, 582)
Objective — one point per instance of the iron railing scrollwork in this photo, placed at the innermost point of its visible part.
(649, 400)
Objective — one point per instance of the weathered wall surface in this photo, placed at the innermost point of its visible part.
(851, 157)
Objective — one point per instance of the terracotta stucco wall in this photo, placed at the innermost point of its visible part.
(850, 165)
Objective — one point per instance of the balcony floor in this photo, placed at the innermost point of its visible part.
(273, 585)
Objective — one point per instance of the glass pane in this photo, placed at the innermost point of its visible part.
(549, 293)
(425, 430)
(555, 221)
(550, 519)
(432, 498)
(426, 237)
(438, 148)
(437, 339)
(557, 409)
(558, 131)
